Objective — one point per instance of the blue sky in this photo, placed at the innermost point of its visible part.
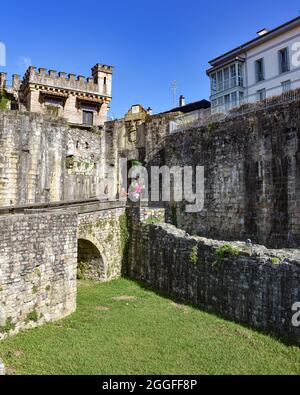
(150, 43)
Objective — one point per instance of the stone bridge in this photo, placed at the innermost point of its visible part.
(43, 248)
(101, 228)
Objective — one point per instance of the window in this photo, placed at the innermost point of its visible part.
(261, 94)
(52, 110)
(53, 105)
(240, 75)
(226, 78)
(53, 101)
(259, 70)
(227, 102)
(234, 99)
(232, 76)
(220, 80)
(220, 101)
(286, 86)
(213, 81)
(284, 65)
(214, 103)
(87, 117)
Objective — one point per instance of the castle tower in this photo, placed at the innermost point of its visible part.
(102, 75)
(81, 101)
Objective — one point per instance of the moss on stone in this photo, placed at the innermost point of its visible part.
(227, 250)
(152, 219)
(275, 260)
(9, 326)
(34, 289)
(194, 255)
(32, 316)
(109, 238)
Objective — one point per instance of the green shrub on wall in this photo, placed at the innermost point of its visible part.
(153, 219)
(226, 251)
(194, 255)
(3, 100)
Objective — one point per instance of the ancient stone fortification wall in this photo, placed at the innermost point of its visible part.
(102, 237)
(31, 152)
(156, 131)
(38, 259)
(42, 160)
(256, 287)
(252, 176)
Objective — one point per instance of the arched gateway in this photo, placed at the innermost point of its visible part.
(90, 262)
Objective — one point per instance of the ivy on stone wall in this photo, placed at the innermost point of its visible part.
(125, 226)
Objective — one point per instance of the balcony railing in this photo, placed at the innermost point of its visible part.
(228, 84)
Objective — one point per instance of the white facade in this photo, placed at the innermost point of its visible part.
(264, 67)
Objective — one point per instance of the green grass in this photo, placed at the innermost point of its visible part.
(143, 334)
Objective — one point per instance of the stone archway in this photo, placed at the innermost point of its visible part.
(91, 264)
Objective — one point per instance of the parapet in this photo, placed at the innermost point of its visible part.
(102, 68)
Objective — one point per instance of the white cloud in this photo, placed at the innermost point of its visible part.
(24, 62)
(2, 55)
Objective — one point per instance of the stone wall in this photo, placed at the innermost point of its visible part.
(156, 132)
(251, 285)
(42, 160)
(101, 244)
(38, 259)
(252, 176)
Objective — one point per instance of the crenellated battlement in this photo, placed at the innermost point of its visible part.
(98, 83)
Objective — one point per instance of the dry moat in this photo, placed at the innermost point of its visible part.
(123, 327)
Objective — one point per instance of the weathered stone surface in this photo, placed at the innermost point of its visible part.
(44, 160)
(252, 285)
(252, 176)
(100, 237)
(38, 260)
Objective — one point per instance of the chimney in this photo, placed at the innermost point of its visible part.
(181, 101)
(262, 32)
(149, 111)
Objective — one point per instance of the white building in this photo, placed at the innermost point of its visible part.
(263, 67)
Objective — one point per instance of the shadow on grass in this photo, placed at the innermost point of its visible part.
(173, 298)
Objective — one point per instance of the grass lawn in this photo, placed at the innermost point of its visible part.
(123, 328)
